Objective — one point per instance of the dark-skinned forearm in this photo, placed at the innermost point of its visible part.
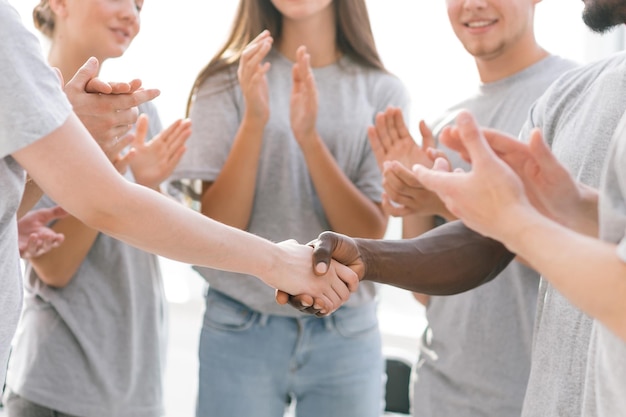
(446, 260)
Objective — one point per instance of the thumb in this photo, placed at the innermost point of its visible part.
(442, 165)
(281, 297)
(477, 147)
(428, 141)
(431, 179)
(85, 73)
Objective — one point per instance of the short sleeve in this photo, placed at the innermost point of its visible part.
(33, 103)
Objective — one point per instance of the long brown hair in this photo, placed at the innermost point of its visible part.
(354, 35)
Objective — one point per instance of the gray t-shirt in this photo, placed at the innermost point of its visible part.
(475, 353)
(97, 346)
(32, 106)
(605, 387)
(578, 116)
(286, 204)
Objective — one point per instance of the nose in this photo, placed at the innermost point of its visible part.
(129, 10)
(474, 4)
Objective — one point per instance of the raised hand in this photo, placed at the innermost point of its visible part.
(155, 160)
(405, 195)
(486, 197)
(108, 110)
(304, 100)
(34, 237)
(396, 152)
(392, 141)
(251, 74)
(549, 186)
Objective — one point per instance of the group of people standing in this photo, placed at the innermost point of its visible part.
(295, 130)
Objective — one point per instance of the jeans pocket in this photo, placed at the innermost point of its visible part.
(224, 313)
(355, 321)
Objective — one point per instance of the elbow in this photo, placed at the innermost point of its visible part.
(55, 279)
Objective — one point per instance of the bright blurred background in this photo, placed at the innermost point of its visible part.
(416, 43)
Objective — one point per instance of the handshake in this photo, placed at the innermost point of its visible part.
(444, 261)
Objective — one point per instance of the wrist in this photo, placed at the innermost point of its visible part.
(517, 235)
(310, 142)
(254, 121)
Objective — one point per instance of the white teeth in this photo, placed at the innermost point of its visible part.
(480, 24)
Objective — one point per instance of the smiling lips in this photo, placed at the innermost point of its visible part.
(476, 24)
(121, 32)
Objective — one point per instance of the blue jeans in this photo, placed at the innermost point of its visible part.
(251, 364)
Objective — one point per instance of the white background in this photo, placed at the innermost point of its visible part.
(177, 39)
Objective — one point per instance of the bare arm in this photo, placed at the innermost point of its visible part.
(444, 261)
(492, 199)
(230, 197)
(34, 237)
(58, 266)
(80, 178)
(348, 210)
(584, 269)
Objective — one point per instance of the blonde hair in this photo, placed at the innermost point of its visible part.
(43, 18)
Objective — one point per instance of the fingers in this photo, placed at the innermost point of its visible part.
(115, 147)
(175, 143)
(450, 137)
(349, 279)
(303, 72)
(85, 73)
(303, 302)
(254, 53)
(138, 97)
(393, 208)
(400, 183)
(428, 140)
(397, 127)
(41, 242)
(123, 161)
(442, 165)
(141, 131)
(97, 86)
(474, 141)
(432, 179)
(540, 150)
(177, 134)
(382, 130)
(377, 147)
(53, 213)
(281, 297)
(125, 88)
(323, 247)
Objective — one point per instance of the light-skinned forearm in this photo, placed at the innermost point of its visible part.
(585, 218)
(584, 269)
(230, 198)
(89, 187)
(348, 210)
(57, 267)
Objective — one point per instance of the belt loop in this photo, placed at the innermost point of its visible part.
(263, 318)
